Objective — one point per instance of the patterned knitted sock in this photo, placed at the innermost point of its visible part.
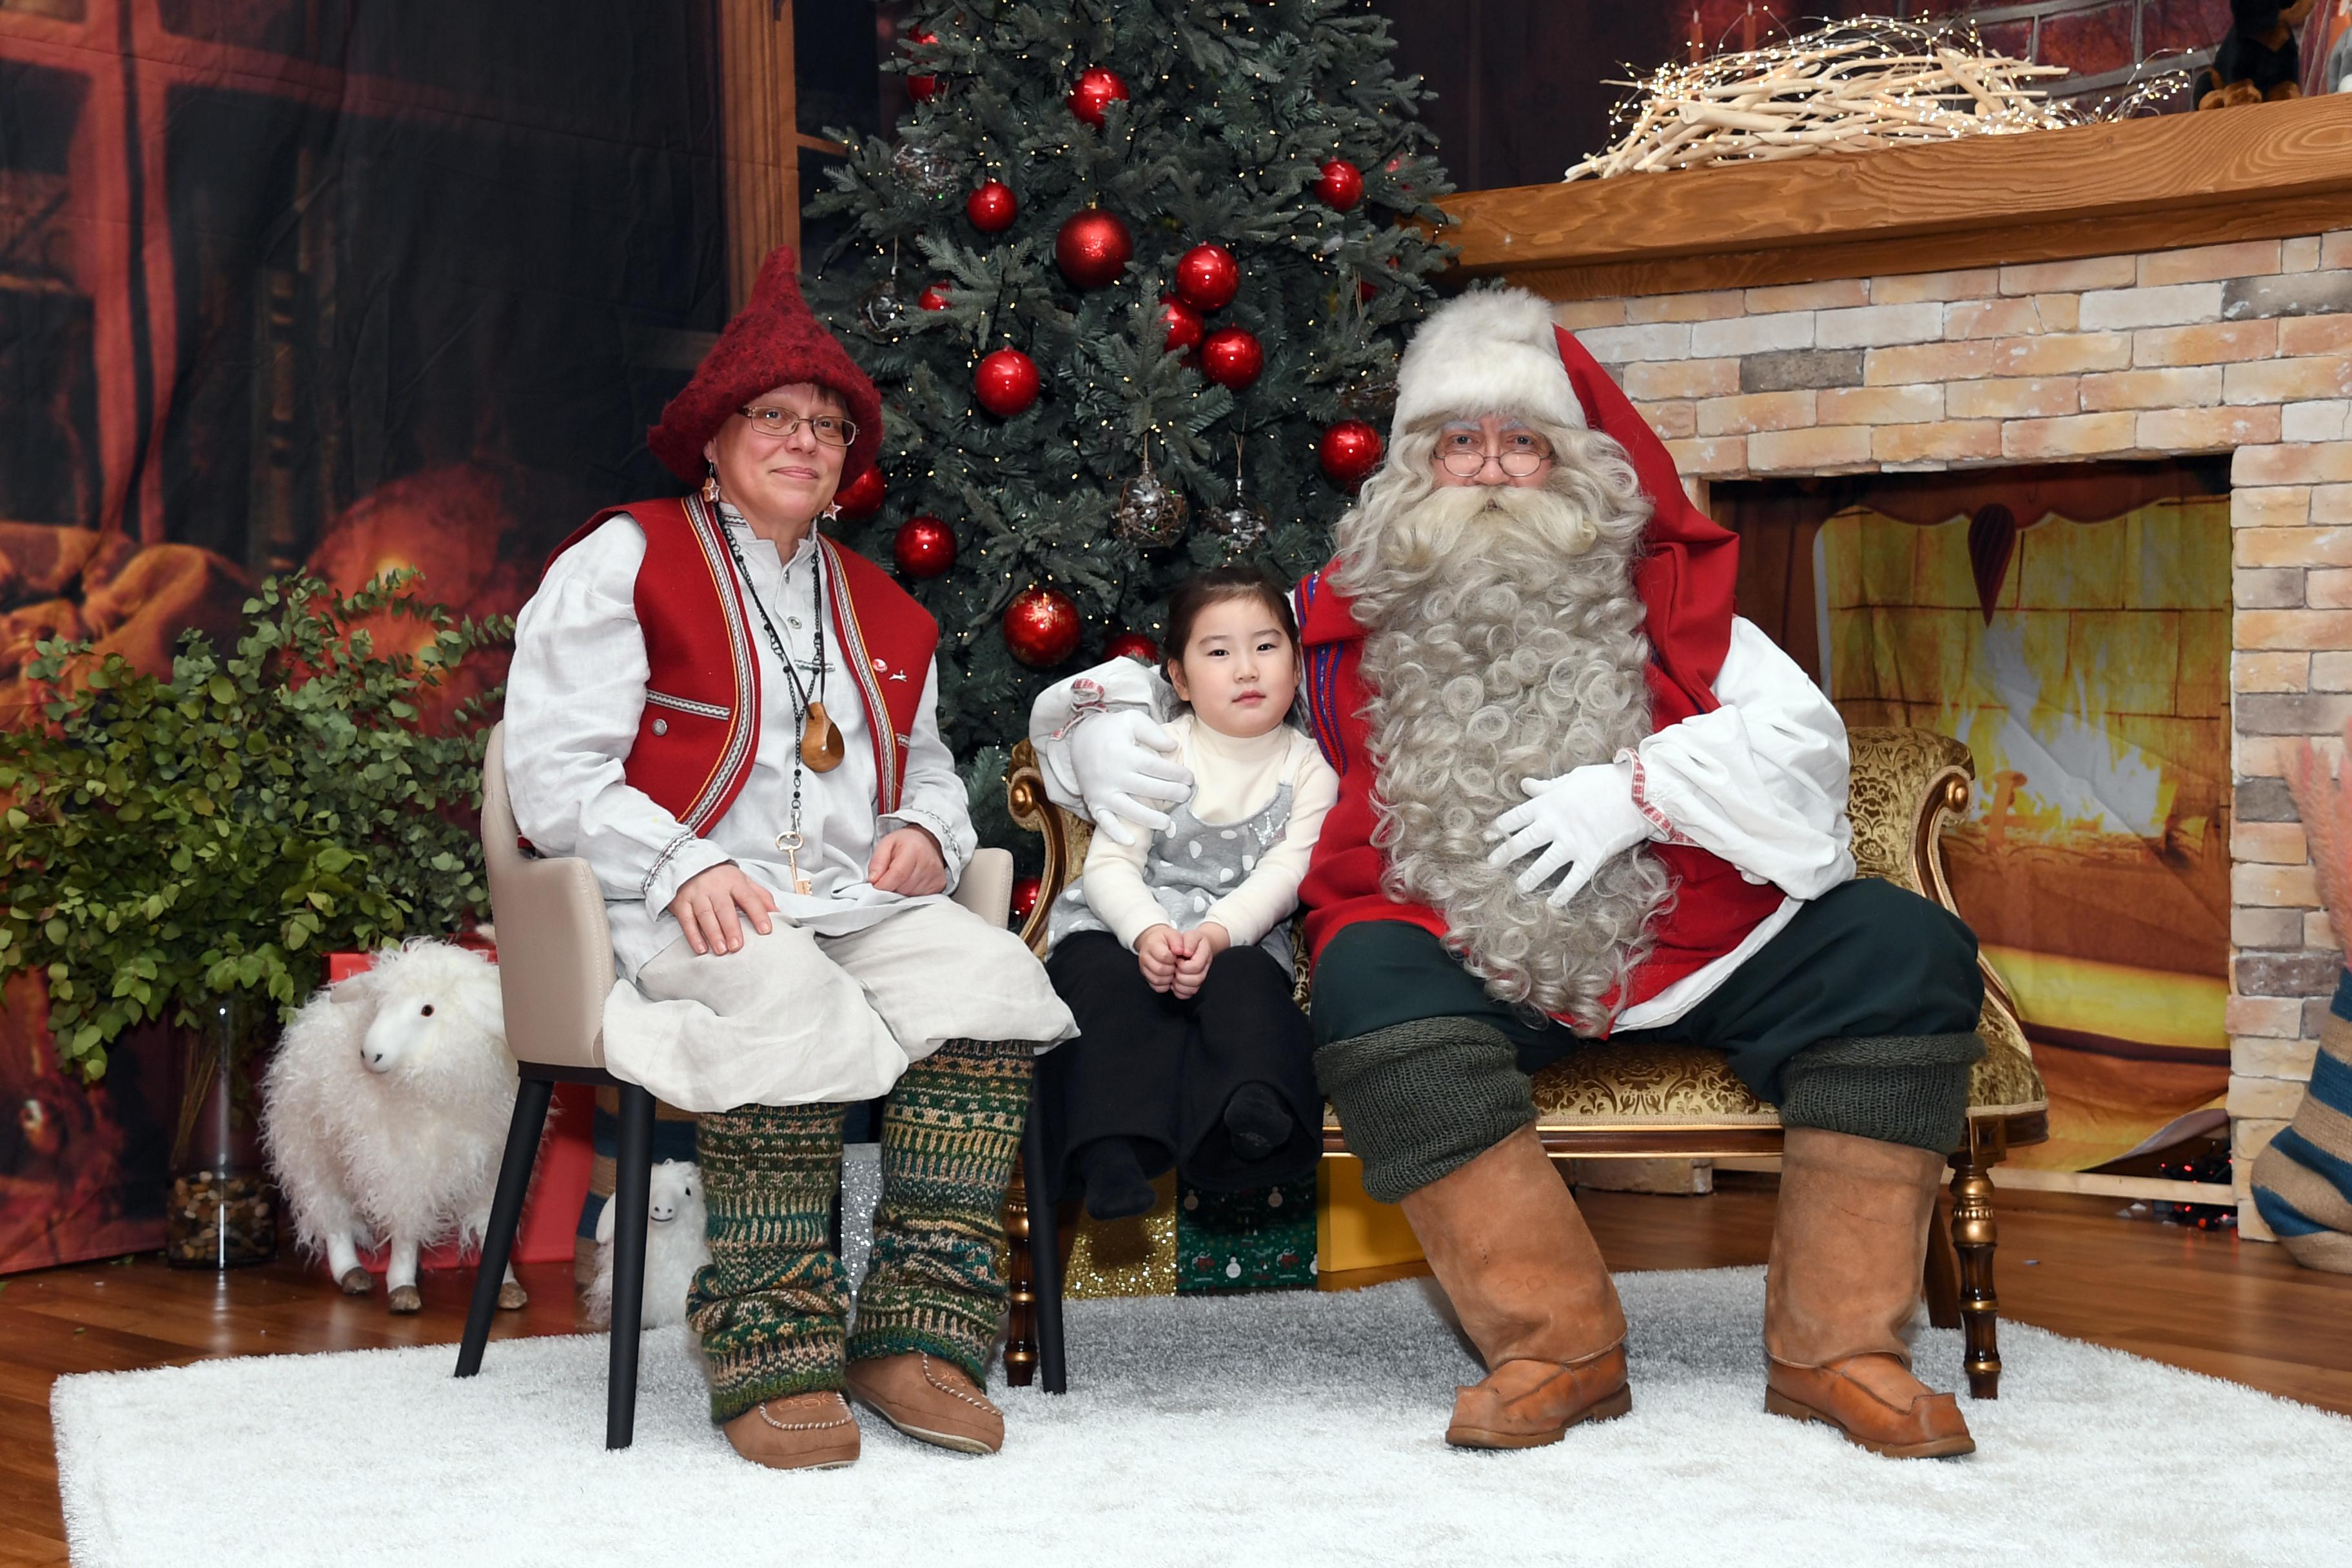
(770, 1303)
(2302, 1179)
(949, 1131)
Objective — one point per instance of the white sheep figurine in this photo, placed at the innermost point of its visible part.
(676, 1245)
(385, 1110)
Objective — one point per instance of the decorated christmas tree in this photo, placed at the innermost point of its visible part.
(1132, 279)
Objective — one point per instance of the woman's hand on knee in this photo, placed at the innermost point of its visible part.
(1201, 946)
(706, 908)
(908, 862)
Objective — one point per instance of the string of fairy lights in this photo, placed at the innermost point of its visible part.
(1854, 86)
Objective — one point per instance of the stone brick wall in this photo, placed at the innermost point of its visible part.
(2244, 349)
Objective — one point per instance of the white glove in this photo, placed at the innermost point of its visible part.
(1123, 760)
(1580, 820)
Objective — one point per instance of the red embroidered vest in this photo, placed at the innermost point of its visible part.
(700, 728)
(1686, 579)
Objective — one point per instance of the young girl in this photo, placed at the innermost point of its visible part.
(1174, 954)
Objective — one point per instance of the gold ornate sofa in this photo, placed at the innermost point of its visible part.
(1607, 1101)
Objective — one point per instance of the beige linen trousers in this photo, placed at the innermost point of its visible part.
(795, 1018)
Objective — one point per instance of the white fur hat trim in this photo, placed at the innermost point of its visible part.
(1486, 353)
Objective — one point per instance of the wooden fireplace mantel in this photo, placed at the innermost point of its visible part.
(2262, 172)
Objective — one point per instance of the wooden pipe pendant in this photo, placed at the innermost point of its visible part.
(820, 746)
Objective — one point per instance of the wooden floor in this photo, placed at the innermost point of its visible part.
(2204, 1301)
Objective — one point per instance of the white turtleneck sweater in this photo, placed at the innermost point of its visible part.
(1234, 778)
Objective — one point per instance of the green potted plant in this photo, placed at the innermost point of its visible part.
(187, 850)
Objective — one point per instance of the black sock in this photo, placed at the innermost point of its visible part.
(1117, 1187)
(1258, 1120)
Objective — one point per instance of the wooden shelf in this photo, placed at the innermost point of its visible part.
(2262, 172)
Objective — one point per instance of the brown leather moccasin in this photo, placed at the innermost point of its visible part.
(1875, 1402)
(931, 1401)
(1527, 1404)
(805, 1432)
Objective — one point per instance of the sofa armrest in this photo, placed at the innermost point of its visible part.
(1907, 785)
(1066, 838)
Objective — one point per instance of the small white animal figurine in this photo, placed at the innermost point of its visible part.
(384, 1114)
(676, 1247)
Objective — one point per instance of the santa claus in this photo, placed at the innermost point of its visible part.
(1580, 797)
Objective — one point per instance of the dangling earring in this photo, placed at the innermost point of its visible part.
(710, 485)
(832, 511)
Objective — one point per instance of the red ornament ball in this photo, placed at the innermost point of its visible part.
(935, 296)
(1349, 452)
(925, 547)
(1092, 247)
(1207, 278)
(861, 497)
(1097, 91)
(1005, 382)
(1231, 357)
(1183, 323)
(921, 88)
(1341, 186)
(1133, 644)
(991, 207)
(1025, 893)
(1041, 626)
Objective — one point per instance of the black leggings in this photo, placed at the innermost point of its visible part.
(1159, 1072)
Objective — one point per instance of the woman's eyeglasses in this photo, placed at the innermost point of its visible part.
(778, 423)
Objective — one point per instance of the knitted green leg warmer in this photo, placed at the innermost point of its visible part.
(950, 1133)
(1897, 1089)
(770, 1303)
(1419, 1100)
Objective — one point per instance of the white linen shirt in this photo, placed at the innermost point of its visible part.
(575, 694)
(1761, 781)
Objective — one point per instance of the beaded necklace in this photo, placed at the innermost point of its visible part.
(820, 744)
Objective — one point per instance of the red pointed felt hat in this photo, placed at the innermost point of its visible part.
(773, 341)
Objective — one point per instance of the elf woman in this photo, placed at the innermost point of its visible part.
(735, 723)
(1173, 953)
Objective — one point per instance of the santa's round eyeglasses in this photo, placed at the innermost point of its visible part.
(830, 428)
(1521, 456)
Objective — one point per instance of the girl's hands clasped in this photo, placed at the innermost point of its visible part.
(1176, 961)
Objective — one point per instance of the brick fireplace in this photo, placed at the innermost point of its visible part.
(2154, 290)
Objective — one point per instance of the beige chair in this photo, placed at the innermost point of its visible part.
(1617, 1102)
(555, 969)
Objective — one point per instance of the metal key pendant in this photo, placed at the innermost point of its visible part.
(790, 843)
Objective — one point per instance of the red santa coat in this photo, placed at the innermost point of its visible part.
(1686, 580)
(701, 728)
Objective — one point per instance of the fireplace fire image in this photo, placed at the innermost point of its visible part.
(2073, 628)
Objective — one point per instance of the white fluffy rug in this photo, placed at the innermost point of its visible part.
(1292, 1430)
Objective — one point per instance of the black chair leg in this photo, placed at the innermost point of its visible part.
(531, 1096)
(632, 1191)
(1044, 1257)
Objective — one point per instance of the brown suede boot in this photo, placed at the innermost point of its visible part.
(1848, 1245)
(804, 1432)
(1504, 1238)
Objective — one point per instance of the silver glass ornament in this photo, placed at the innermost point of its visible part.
(882, 308)
(1241, 523)
(1149, 514)
(923, 168)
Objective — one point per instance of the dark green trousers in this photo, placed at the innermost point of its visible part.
(1866, 960)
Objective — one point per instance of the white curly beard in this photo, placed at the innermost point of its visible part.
(1505, 644)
